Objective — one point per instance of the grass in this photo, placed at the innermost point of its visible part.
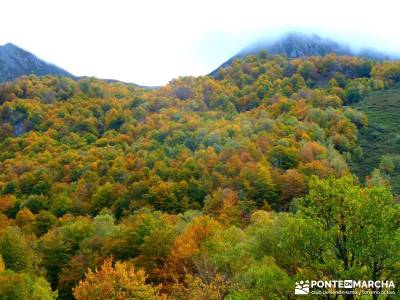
(382, 137)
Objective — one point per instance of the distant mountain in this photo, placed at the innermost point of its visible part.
(16, 62)
(295, 45)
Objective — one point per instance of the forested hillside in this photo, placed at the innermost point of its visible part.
(227, 187)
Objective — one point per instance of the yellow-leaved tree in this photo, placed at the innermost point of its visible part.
(118, 282)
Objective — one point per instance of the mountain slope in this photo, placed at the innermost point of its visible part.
(16, 62)
(381, 139)
(295, 45)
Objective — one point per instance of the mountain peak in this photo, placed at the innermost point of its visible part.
(9, 45)
(16, 62)
(298, 44)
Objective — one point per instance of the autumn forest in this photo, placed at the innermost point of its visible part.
(234, 185)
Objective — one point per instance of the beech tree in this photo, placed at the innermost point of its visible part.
(121, 281)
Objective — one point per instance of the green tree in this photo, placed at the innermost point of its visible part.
(17, 253)
(283, 157)
(263, 280)
(21, 286)
(361, 224)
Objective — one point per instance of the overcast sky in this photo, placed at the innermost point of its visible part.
(150, 42)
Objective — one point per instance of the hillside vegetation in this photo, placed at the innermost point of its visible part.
(231, 187)
(380, 141)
